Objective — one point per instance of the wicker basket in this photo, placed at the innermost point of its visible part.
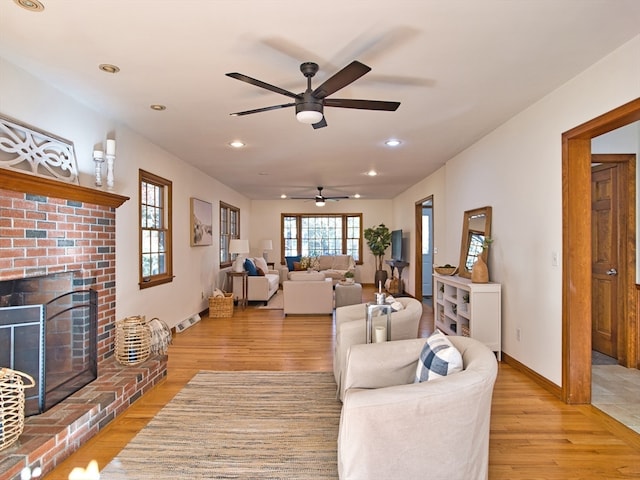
(465, 331)
(221, 307)
(12, 388)
(446, 270)
(133, 340)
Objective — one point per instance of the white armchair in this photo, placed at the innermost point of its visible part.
(350, 330)
(391, 427)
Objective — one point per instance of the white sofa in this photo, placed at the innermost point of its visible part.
(350, 330)
(333, 266)
(260, 288)
(391, 427)
(308, 293)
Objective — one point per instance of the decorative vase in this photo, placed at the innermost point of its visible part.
(380, 278)
(480, 271)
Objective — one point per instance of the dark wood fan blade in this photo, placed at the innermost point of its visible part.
(265, 109)
(361, 104)
(322, 123)
(302, 198)
(344, 77)
(261, 84)
(336, 198)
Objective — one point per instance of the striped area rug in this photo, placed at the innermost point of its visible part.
(239, 425)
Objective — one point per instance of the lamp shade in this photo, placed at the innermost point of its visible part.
(319, 203)
(267, 245)
(238, 246)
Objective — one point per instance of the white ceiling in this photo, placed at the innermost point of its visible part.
(460, 68)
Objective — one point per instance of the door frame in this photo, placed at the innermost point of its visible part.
(576, 255)
(417, 282)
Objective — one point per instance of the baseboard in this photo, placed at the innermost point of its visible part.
(536, 377)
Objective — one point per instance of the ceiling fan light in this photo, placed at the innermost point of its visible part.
(309, 116)
(320, 203)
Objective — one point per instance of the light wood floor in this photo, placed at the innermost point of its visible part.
(533, 434)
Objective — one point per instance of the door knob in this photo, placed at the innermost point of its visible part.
(612, 272)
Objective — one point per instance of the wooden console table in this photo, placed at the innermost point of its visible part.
(399, 264)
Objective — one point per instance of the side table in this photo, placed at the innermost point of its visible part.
(244, 276)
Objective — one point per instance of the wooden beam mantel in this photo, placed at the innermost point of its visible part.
(27, 183)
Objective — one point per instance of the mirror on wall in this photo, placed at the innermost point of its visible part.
(476, 226)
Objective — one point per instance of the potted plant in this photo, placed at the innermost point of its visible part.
(378, 239)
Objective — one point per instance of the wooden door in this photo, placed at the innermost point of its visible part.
(606, 193)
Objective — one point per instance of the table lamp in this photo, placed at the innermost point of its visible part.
(267, 245)
(240, 248)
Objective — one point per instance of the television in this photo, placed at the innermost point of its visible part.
(396, 245)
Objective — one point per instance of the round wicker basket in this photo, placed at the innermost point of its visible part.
(133, 340)
(446, 270)
(12, 388)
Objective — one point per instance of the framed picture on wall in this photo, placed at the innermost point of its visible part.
(201, 223)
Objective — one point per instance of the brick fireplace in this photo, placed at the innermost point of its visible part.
(48, 227)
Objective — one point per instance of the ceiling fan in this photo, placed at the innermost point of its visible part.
(310, 104)
(321, 199)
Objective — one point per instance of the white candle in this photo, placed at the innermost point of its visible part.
(380, 334)
(98, 154)
(380, 286)
(111, 147)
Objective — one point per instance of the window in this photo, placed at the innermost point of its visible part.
(313, 235)
(156, 265)
(229, 228)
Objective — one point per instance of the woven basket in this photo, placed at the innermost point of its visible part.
(133, 340)
(465, 331)
(445, 270)
(12, 388)
(221, 307)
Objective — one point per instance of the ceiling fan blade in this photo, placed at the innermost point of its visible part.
(337, 198)
(261, 84)
(302, 198)
(322, 123)
(344, 77)
(265, 109)
(362, 104)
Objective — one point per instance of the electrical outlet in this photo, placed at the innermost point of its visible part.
(518, 334)
(202, 293)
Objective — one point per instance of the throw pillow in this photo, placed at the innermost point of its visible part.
(290, 261)
(438, 358)
(260, 272)
(261, 263)
(250, 267)
(325, 262)
(297, 267)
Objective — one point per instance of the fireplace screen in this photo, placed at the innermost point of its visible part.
(55, 343)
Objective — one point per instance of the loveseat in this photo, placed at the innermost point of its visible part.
(391, 427)
(308, 293)
(333, 266)
(262, 283)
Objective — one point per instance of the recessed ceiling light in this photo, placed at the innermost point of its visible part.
(237, 144)
(392, 142)
(283, 196)
(372, 173)
(357, 195)
(108, 68)
(31, 5)
(157, 107)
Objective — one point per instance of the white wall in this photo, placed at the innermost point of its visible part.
(195, 268)
(265, 224)
(517, 170)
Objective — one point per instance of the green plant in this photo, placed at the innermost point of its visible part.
(465, 298)
(378, 239)
(349, 274)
